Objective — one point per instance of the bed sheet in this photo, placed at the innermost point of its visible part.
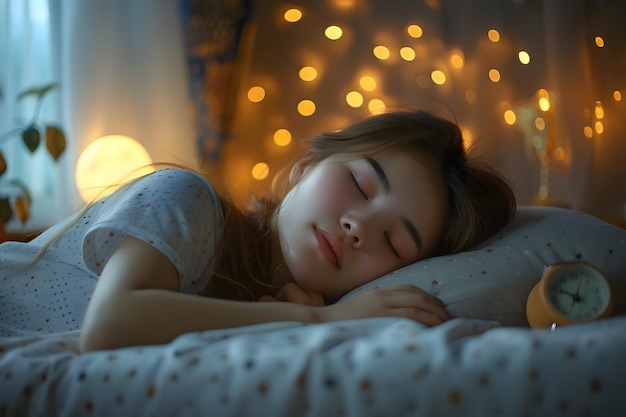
(371, 367)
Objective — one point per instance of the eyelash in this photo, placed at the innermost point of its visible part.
(358, 187)
(393, 249)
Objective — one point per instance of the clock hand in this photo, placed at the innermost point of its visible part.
(575, 297)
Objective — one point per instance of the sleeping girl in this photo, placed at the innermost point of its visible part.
(167, 254)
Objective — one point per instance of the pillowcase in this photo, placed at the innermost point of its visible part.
(492, 281)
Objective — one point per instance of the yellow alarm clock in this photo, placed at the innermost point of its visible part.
(569, 293)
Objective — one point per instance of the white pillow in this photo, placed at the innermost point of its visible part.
(492, 281)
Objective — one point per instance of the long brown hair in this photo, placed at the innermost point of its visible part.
(480, 201)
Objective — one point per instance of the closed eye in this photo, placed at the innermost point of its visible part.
(358, 187)
(393, 249)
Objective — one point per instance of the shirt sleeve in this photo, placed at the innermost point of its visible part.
(175, 211)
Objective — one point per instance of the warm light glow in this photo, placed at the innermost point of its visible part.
(306, 107)
(415, 31)
(588, 131)
(260, 171)
(407, 53)
(293, 15)
(494, 35)
(537, 142)
(617, 95)
(540, 123)
(333, 32)
(524, 57)
(438, 77)
(457, 60)
(381, 52)
(559, 153)
(509, 117)
(468, 138)
(599, 127)
(599, 41)
(494, 75)
(307, 73)
(422, 81)
(599, 110)
(543, 93)
(470, 96)
(108, 161)
(367, 83)
(256, 94)
(354, 99)
(282, 137)
(376, 106)
(544, 104)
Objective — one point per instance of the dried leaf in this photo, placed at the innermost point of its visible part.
(37, 91)
(22, 208)
(3, 164)
(23, 188)
(6, 213)
(31, 138)
(55, 141)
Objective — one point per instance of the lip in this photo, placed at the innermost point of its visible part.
(329, 246)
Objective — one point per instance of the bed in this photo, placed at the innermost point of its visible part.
(483, 362)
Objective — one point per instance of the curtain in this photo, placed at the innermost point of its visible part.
(29, 61)
(120, 68)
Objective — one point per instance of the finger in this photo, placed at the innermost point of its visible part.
(267, 298)
(419, 300)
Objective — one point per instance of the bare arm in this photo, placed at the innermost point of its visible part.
(136, 301)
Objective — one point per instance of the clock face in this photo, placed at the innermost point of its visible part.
(578, 292)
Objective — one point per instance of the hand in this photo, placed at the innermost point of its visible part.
(292, 293)
(399, 301)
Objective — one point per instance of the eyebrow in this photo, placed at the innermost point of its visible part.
(382, 177)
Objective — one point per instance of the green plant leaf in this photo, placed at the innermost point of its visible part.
(55, 141)
(37, 91)
(6, 212)
(31, 138)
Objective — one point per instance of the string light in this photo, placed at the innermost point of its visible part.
(354, 99)
(381, 52)
(599, 41)
(617, 95)
(256, 94)
(509, 117)
(457, 60)
(367, 83)
(415, 31)
(407, 53)
(494, 75)
(307, 73)
(293, 15)
(282, 137)
(438, 77)
(333, 32)
(306, 107)
(524, 57)
(376, 106)
(260, 171)
(493, 35)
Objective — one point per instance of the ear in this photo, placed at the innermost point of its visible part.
(299, 168)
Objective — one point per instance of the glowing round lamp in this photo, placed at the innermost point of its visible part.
(107, 163)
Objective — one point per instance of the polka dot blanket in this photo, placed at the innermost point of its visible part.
(371, 367)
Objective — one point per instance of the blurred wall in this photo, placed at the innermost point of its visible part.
(486, 63)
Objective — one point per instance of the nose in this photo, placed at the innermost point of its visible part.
(355, 229)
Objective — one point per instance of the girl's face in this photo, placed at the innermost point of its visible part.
(351, 219)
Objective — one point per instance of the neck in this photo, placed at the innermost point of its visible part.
(280, 274)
